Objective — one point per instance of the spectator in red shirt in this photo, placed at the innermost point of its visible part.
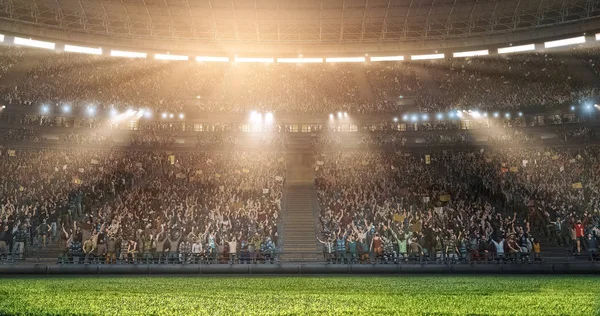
(579, 233)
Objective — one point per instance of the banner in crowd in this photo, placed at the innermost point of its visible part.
(416, 227)
(172, 159)
(12, 152)
(445, 197)
(577, 185)
(427, 159)
(237, 206)
(398, 218)
(514, 169)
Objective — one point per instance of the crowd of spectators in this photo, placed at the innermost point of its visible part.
(457, 206)
(392, 208)
(511, 82)
(130, 206)
(390, 138)
(22, 134)
(552, 184)
(375, 205)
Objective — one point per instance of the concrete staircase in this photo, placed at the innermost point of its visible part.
(298, 142)
(364, 87)
(48, 254)
(299, 226)
(432, 86)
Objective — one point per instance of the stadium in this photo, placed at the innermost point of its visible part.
(319, 157)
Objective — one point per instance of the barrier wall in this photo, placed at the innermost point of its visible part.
(300, 269)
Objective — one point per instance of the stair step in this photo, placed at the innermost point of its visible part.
(299, 233)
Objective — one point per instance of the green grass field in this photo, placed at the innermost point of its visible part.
(328, 295)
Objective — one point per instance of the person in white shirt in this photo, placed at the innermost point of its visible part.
(232, 249)
(196, 251)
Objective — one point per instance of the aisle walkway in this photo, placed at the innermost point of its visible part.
(299, 215)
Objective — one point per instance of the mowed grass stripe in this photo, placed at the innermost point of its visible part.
(329, 295)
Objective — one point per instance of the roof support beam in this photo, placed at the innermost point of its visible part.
(493, 19)
(104, 18)
(214, 20)
(471, 21)
(589, 8)
(10, 8)
(194, 27)
(320, 21)
(384, 23)
(449, 18)
(539, 14)
(427, 19)
(364, 18)
(172, 24)
(342, 20)
(405, 24)
(237, 32)
(515, 16)
(129, 23)
(84, 22)
(564, 11)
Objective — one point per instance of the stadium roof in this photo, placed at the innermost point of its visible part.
(312, 22)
